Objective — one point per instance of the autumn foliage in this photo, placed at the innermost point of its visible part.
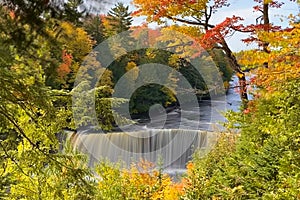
(44, 44)
(141, 181)
(65, 67)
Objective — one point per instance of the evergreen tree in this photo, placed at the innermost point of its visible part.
(118, 20)
(93, 25)
(73, 11)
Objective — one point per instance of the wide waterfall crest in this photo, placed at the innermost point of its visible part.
(174, 146)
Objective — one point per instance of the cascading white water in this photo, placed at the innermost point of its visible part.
(173, 146)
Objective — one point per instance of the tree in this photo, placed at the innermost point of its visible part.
(73, 11)
(202, 76)
(30, 114)
(76, 44)
(263, 162)
(117, 20)
(199, 13)
(141, 181)
(196, 13)
(93, 25)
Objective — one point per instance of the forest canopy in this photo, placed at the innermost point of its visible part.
(45, 46)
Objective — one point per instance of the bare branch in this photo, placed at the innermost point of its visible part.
(190, 22)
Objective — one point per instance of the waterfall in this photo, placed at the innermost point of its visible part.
(173, 146)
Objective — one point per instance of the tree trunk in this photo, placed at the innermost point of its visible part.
(266, 25)
(237, 68)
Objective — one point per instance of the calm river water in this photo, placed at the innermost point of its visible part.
(206, 117)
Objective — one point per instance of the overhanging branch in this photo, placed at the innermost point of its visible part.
(190, 22)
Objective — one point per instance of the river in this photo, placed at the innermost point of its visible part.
(171, 137)
(210, 112)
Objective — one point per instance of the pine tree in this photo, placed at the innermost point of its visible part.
(93, 25)
(73, 11)
(118, 20)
